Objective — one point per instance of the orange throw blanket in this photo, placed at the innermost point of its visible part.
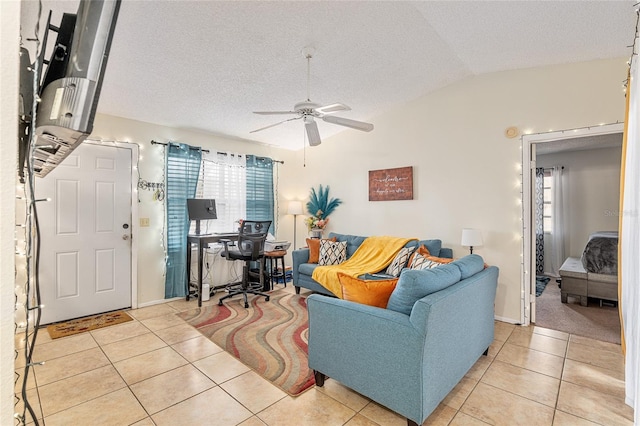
(374, 254)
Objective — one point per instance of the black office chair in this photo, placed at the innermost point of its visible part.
(249, 248)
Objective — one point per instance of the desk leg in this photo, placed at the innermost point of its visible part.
(188, 268)
(200, 274)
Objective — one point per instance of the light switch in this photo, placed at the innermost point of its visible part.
(144, 221)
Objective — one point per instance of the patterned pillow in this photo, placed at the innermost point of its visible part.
(332, 253)
(420, 262)
(314, 249)
(400, 261)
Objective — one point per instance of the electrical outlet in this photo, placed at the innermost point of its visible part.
(144, 221)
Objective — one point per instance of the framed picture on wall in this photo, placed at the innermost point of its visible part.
(391, 184)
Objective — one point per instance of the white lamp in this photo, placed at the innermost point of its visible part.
(294, 208)
(471, 238)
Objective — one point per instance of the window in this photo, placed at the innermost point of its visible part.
(260, 189)
(223, 178)
(242, 187)
(547, 215)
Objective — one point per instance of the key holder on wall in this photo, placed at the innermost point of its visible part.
(156, 187)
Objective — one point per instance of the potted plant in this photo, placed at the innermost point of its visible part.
(320, 207)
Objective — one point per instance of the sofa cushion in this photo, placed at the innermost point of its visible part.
(353, 241)
(314, 249)
(413, 285)
(469, 265)
(400, 261)
(307, 268)
(367, 292)
(332, 252)
(433, 246)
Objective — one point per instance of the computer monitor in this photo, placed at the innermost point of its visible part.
(201, 209)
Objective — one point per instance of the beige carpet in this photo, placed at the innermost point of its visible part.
(600, 323)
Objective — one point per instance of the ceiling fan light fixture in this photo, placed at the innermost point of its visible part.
(307, 110)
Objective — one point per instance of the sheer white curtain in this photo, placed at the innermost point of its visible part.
(223, 177)
(557, 235)
(630, 243)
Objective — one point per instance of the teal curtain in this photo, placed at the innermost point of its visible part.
(260, 199)
(182, 169)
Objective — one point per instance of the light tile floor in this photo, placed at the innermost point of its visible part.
(158, 370)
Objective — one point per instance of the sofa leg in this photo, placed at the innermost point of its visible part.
(486, 352)
(297, 290)
(411, 423)
(319, 378)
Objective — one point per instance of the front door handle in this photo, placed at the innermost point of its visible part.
(125, 237)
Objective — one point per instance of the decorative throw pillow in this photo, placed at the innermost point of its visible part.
(367, 292)
(314, 249)
(332, 253)
(419, 250)
(420, 262)
(441, 260)
(413, 285)
(400, 261)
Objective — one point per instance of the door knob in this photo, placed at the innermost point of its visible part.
(125, 237)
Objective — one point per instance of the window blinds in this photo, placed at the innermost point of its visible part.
(260, 202)
(223, 178)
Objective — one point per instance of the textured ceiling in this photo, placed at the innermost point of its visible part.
(206, 65)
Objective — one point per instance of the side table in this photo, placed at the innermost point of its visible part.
(272, 258)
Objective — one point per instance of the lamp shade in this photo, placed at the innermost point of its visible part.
(294, 208)
(471, 237)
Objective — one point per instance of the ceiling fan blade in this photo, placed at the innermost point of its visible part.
(274, 125)
(341, 121)
(274, 112)
(312, 132)
(333, 108)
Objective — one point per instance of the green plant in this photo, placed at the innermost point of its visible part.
(319, 205)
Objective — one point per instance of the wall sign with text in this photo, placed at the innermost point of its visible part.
(391, 184)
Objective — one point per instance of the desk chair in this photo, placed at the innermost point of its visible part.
(249, 248)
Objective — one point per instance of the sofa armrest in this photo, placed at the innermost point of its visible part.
(374, 351)
(299, 257)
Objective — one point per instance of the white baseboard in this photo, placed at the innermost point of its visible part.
(158, 302)
(507, 320)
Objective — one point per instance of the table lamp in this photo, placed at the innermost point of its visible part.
(294, 208)
(471, 238)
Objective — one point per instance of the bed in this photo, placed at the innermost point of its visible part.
(595, 273)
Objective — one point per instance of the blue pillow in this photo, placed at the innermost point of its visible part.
(413, 285)
(469, 265)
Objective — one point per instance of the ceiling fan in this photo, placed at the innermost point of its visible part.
(308, 111)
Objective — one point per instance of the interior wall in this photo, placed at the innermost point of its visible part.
(467, 173)
(591, 190)
(151, 255)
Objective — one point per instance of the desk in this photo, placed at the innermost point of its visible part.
(203, 240)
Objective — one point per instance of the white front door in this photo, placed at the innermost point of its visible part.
(85, 233)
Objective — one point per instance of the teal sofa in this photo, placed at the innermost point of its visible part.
(302, 271)
(409, 356)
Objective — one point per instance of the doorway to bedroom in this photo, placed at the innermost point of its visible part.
(570, 195)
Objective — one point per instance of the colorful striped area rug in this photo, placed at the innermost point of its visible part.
(270, 337)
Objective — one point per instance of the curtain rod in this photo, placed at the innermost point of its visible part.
(207, 151)
(275, 161)
(166, 144)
